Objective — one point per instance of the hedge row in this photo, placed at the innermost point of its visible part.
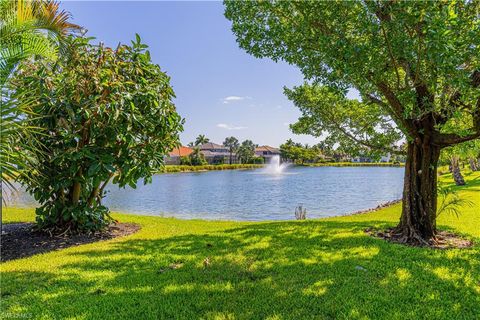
(354, 164)
(209, 167)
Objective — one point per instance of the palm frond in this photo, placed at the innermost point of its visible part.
(28, 29)
(450, 201)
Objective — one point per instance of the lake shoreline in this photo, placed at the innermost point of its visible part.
(254, 195)
(221, 167)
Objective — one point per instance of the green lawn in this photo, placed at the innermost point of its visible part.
(272, 270)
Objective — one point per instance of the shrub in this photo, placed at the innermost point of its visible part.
(257, 160)
(107, 115)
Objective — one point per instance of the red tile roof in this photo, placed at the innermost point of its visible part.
(267, 148)
(181, 152)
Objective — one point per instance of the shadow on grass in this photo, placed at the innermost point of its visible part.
(286, 270)
(472, 181)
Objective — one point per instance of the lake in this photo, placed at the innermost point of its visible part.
(256, 195)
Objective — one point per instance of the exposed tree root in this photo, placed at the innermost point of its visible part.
(441, 240)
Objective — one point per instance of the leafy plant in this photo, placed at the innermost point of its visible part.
(232, 144)
(451, 202)
(246, 151)
(197, 158)
(27, 29)
(30, 28)
(201, 139)
(107, 116)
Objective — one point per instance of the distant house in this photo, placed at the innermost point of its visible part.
(176, 154)
(340, 157)
(362, 159)
(386, 158)
(213, 147)
(266, 152)
(216, 153)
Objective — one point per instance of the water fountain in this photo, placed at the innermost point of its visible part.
(274, 166)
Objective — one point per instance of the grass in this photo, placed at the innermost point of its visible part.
(313, 269)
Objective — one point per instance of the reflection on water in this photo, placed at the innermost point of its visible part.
(247, 195)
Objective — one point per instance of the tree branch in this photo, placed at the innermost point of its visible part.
(449, 139)
(368, 144)
(397, 108)
(363, 142)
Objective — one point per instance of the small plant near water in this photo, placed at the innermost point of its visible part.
(300, 213)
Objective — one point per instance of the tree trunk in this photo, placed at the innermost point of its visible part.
(417, 223)
(473, 164)
(457, 174)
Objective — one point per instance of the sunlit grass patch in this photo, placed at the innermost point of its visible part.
(313, 269)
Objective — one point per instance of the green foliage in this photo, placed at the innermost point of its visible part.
(417, 62)
(201, 139)
(185, 161)
(209, 167)
(257, 160)
(298, 153)
(196, 157)
(246, 151)
(451, 202)
(354, 164)
(27, 29)
(107, 114)
(283, 270)
(358, 129)
(30, 28)
(232, 144)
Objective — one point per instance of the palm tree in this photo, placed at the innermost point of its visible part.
(232, 144)
(246, 151)
(201, 139)
(27, 29)
(30, 28)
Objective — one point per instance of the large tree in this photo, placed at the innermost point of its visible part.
(201, 139)
(416, 65)
(232, 144)
(107, 116)
(246, 151)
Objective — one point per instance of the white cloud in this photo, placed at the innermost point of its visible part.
(230, 127)
(231, 99)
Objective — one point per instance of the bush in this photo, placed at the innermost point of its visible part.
(106, 114)
(257, 160)
(186, 161)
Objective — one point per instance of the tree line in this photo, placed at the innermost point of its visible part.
(244, 152)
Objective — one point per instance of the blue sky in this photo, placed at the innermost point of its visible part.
(221, 90)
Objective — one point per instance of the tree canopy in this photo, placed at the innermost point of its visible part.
(414, 60)
(246, 151)
(414, 63)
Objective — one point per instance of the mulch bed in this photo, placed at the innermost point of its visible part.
(445, 239)
(20, 240)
